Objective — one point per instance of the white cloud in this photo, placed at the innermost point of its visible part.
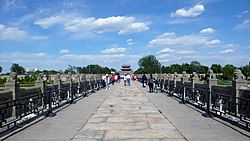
(15, 34)
(227, 51)
(41, 54)
(207, 31)
(184, 52)
(79, 25)
(242, 14)
(64, 51)
(192, 12)
(39, 38)
(12, 33)
(244, 25)
(172, 40)
(130, 42)
(165, 51)
(114, 50)
(213, 42)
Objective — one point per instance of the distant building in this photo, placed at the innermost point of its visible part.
(126, 69)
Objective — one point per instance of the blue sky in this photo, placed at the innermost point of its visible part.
(50, 34)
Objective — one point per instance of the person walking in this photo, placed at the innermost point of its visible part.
(112, 79)
(128, 79)
(107, 81)
(125, 80)
(151, 83)
(144, 80)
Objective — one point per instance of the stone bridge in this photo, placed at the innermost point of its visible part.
(128, 113)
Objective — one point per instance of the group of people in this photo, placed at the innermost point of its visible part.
(116, 78)
(152, 83)
(107, 80)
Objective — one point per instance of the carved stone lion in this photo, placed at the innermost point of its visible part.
(211, 74)
(12, 78)
(238, 75)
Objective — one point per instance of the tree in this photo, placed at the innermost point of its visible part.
(216, 68)
(246, 70)
(139, 71)
(186, 67)
(17, 68)
(1, 69)
(95, 69)
(228, 71)
(112, 69)
(195, 66)
(70, 69)
(149, 64)
(105, 70)
(166, 69)
(175, 68)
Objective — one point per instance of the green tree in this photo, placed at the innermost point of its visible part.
(93, 68)
(149, 64)
(195, 66)
(186, 67)
(1, 69)
(175, 68)
(216, 68)
(246, 70)
(17, 68)
(139, 71)
(228, 71)
(112, 69)
(105, 70)
(70, 69)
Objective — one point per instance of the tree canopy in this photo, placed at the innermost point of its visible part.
(1, 69)
(228, 71)
(149, 64)
(17, 68)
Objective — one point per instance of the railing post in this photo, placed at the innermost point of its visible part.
(13, 85)
(78, 79)
(40, 82)
(184, 79)
(50, 112)
(169, 77)
(211, 82)
(58, 83)
(71, 89)
(194, 79)
(239, 81)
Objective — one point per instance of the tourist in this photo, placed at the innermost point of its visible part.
(151, 83)
(144, 80)
(125, 80)
(107, 81)
(128, 79)
(118, 78)
(156, 85)
(112, 79)
(103, 81)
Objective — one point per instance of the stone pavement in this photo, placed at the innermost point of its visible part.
(190, 122)
(127, 114)
(66, 123)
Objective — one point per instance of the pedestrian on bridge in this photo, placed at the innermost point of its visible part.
(151, 83)
(144, 80)
(107, 81)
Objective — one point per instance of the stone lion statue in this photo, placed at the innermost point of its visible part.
(12, 78)
(211, 74)
(238, 75)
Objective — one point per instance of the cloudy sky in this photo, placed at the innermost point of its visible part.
(50, 34)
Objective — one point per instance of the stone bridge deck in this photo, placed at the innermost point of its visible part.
(129, 113)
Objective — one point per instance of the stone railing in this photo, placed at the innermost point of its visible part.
(17, 102)
(225, 101)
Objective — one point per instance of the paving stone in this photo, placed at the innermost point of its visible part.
(90, 134)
